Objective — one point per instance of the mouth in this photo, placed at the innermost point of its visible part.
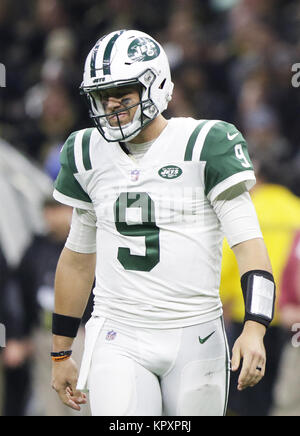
(114, 118)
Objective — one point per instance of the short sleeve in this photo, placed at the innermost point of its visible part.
(82, 236)
(226, 158)
(67, 189)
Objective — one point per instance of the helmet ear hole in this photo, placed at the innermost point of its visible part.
(162, 84)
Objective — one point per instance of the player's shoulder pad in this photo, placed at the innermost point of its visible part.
(220, 140)
(210, 137)
(75, 153)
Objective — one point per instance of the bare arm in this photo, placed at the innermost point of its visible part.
(73, 282)
(250, 255)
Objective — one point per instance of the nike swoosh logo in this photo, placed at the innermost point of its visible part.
(231, 137)
(205, 339)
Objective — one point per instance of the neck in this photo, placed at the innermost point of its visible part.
(151, 131)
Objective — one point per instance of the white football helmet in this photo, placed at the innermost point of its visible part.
(123, 58)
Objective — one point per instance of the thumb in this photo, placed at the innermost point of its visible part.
(236, 358)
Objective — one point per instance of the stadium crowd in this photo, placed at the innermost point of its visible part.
(230, 60)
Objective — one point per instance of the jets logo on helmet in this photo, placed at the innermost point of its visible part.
(127, 58)
(143, 49)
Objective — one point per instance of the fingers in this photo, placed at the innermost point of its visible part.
(70, 396)
(65, 397)
(236, 358)
(258, 371)
(75, 396)
(250, 375)
(70, 400)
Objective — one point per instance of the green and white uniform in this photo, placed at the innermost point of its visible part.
(159, 239)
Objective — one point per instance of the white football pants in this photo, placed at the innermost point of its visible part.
(152, 372)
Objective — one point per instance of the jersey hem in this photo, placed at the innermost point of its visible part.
(244, 176)
(255, 234)
(64, 199)
(77, 249)
(156, 324)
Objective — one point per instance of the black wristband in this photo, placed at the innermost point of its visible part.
(63, 325)
(61, 353)
(247, 284)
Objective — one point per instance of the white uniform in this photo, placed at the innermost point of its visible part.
(159, 239)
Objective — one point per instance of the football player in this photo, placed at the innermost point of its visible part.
(153, 199)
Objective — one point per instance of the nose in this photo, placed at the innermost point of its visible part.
(112, 103)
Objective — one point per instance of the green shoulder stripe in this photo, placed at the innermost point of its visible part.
(66, 182)
(86, 139)
(225, 152)
(192, 141)
(68, 152)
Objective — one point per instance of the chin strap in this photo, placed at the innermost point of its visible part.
(124, 148)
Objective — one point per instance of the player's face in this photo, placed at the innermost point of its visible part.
(120, 100)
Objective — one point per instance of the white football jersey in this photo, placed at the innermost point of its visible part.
(159, 241)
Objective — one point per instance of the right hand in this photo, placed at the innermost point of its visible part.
(64, 380)
(249, 347)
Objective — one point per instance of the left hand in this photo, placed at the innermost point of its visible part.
(249, 346)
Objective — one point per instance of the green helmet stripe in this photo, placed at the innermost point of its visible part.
(108, 50)
(93, 58)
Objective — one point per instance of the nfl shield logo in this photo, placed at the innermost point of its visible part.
(110, 336)
(134, 175)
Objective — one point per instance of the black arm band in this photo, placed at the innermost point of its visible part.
(63, 325)
(61, 353)
(258, 288)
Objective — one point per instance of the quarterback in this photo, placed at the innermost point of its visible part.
(152, 201)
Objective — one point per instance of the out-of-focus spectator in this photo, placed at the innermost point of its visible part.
(22, 189)
(287, 392)
(4, 272)
(35, 276)
(223, 53)
(55, 120)
(278, 212)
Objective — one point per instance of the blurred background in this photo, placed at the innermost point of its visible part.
(231, 60)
